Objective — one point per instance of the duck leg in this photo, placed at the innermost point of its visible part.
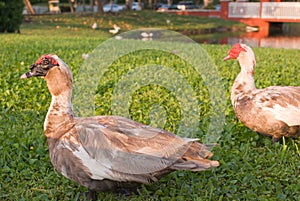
(88, 196)
(275, 139)
(124, 191)
(92, 195)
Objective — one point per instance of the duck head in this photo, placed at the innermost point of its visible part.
(245, 55)
(57, 73)
(41, 67)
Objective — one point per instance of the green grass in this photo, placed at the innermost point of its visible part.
(252, 168)
(73, 25)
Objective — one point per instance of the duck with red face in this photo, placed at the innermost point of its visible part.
(109, 153)
(41, 67)
(273, 111)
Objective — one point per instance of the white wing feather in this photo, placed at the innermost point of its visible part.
(289, 115)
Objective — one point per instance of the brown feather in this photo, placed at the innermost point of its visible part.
(105, 153)
(273, 111)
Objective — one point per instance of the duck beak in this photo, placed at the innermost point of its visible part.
(29, 73)
(26, 75)
(36, 70)
(227, 58)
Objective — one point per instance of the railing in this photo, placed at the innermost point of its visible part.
(270, 10)
(281, 10)
(244, 10)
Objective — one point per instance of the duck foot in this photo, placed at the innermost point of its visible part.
(123, 191)
(88, 196)
(275, 139)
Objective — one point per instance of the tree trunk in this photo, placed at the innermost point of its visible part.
(206, 2)
(111, 4)
(154, 4)
(71, 6)
(92, 5)
(83, 4)
(150, 4)
(28, 6)
(129, 4)
(99, 7)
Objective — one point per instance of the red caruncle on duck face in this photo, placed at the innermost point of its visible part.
(41, 66)
(235, 51)
(46, 58)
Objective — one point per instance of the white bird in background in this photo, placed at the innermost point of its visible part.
(251, 29)
(85, 56)
(94, 26)
(168, 21)
(146, 36)
(118, 37)
(115, 30)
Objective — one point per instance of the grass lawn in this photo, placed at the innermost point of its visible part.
(80, 24)
(251, 167)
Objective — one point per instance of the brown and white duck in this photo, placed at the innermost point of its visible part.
(108, 153)
(274, 110)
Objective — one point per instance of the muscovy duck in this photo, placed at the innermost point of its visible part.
(108, 153)
(273, 111)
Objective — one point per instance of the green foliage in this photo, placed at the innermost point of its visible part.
(10, 15)
(252, 168)
(210, 7)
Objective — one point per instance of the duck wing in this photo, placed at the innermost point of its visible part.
(282, 103)
(121, 149)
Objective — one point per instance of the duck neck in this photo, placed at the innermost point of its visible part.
(60, 114)
(244, 83)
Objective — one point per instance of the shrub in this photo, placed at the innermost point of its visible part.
(10, 15)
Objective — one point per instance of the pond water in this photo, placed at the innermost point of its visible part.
(287, 36)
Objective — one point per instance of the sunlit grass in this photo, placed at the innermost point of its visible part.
(252, 168)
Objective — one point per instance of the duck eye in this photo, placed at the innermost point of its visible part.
(32, 66)
(45, 61)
